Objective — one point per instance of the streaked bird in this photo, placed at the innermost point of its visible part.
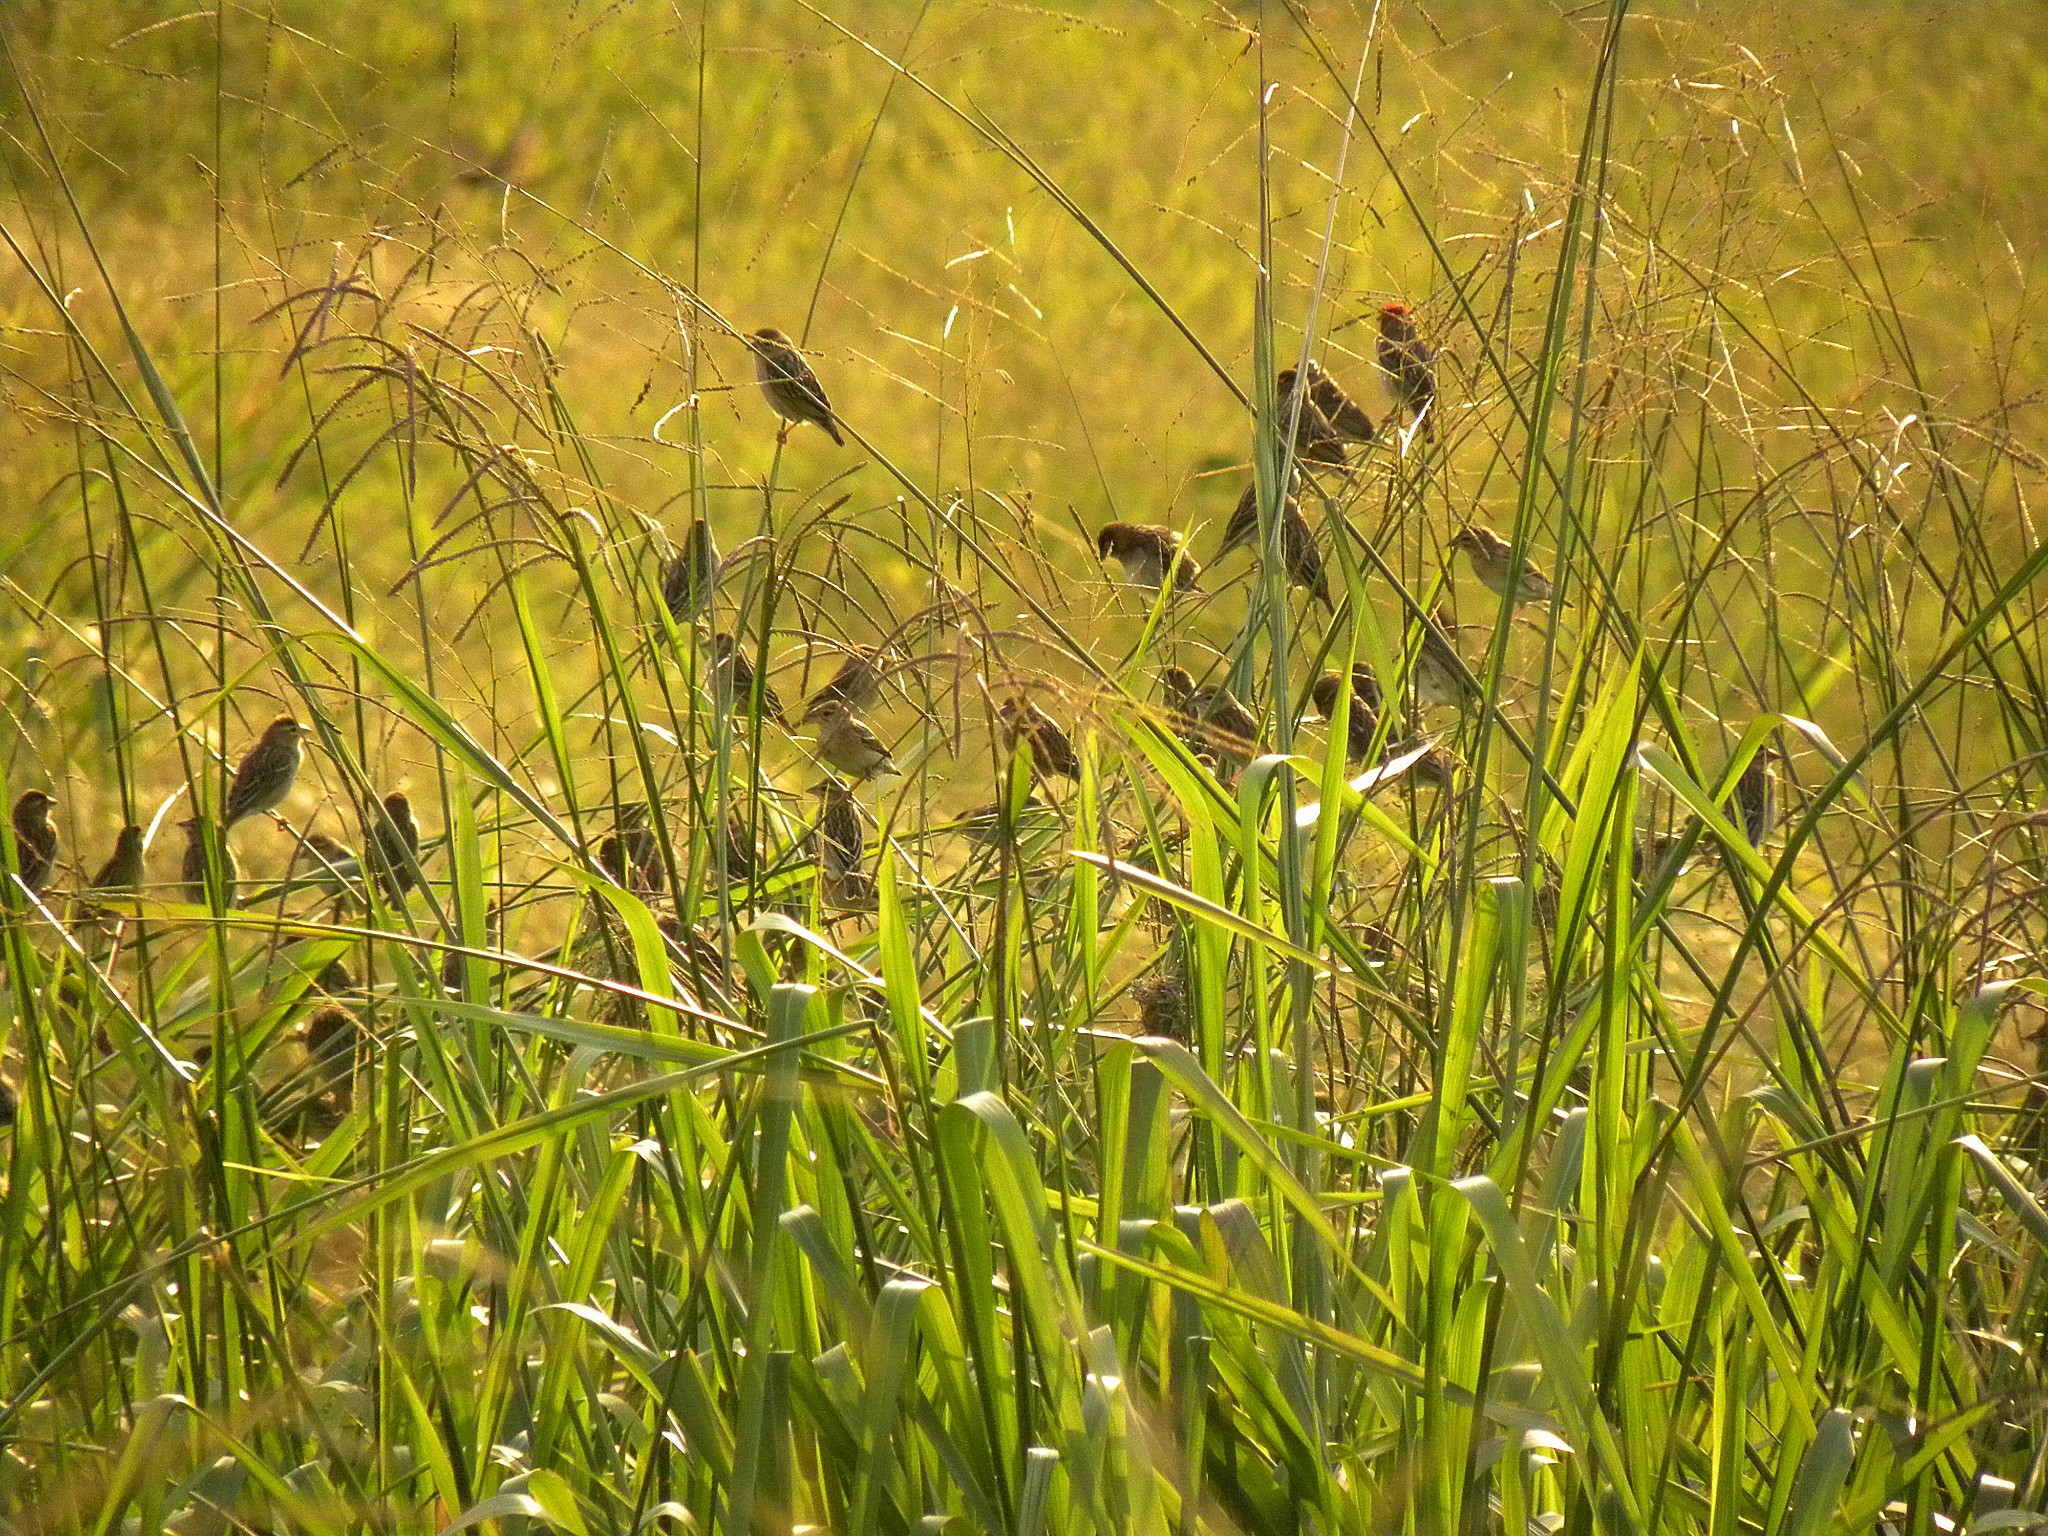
(1303, 560)
(201, 836)
(848, 744)
(1163, 1005)
(733, 670)
(1362, 725)
(857, 684)
(1438, 675)
(839, 832)
(123, 870)
(1408, 365)
(690, 577)
(1345, 416)
(1315, 440)
(1146, 551)
(792, 389)
(267, 771)
(332, 864)
(1210, 719)
(334, 1039)
(35, 839)
(395, 845)
(1756, 795)
(1493, 562)
(1052, 751)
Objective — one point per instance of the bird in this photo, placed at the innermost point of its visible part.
(839, 834)
(1163, 1005)
(1052, 752)
(1346, 416)
(848, 744)
(853, 890)
(332, 863)
(1408, 365)
(792, 389)
(35, 839)
(265, 775)
(1147, 553)
(857, 684)
(334, 1038)
(1362, 725)
(1438, 674)
(395, 842)
(200, 837)
(737, 673)
(123, 869)
(1210, 719)
(512, 166)
(689, 577)
(1315, 440)
(1493, 562)
(1297, 542)
(1756, 794)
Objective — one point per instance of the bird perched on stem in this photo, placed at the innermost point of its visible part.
(1756, 794)
(332, 864)
(1210, 720)
(1438, 674)
(1408, 365)
(792, 389)
(1298, 550)
(733, 670)
(691, 576)
(395, 843)
(35, 839)
(1315, 440)
(848, 744)
(266, 773)
(1148, 553)
(857, 684)
(1052, 751)
(839, 833)
(1493, 562)
(1345, 416)
(201, 837)
(1362, 725)
(121, 875)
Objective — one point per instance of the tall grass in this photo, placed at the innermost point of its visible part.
(1324, 1145)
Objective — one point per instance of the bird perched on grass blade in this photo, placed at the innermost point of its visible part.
(734, 671)
(122, 873)
(792, 389)
(848, 744)
(857, 684)
(395, 842)
(1408, 364)
(1052, 752)
(691, 576)
(1363, 723)
(267, 771)
(1493, 562)
(200, 838)
(1438, 674)
(1346, 417)
(1147, 553)
(1210, 719)
(839, 833)
(1303, 560)
(1315, 440)
(1756, 794)
(35, 839)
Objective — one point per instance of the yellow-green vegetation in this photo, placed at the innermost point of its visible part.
(1581, 1076)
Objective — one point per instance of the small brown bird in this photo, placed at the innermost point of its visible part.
(691, 576)
(1345, 416)
(122, 873)
(334, 1039)
(740, 852)
(1297, 542)
(1052, 752)
(1163, 1005)
(267, 771)
(1315, 440)
(1363, 723)
(1493, 562)
(621, 856)
(1147, 553)
(1434, 766)
(1210, 719)
(846, 743)
(1438, 674)
(200, 838)
(792, 389)
(35, 839)
(395, 843)
(332, 863)
(1408, 365)
(840, 836)
(733, 675)
(857, 684)
(853, 890)
(1756, 794)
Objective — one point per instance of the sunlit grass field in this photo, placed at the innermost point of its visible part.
(1600, 1089)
